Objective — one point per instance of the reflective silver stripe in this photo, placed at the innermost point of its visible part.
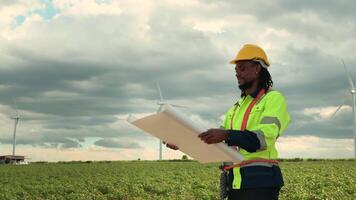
(271, 120)
(260, 164)
(261, 138)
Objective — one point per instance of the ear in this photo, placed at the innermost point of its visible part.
(258, 68)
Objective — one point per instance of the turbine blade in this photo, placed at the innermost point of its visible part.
(159, 91)
(338, 108)
(348, 76)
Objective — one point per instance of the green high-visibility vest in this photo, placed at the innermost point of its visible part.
(269, 118)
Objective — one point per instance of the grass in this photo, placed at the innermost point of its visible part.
(314, 179)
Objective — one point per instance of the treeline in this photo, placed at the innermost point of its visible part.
(110, 161)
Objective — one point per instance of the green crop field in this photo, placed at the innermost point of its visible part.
(165, 180)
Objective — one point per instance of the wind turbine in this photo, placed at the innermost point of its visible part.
(353, 93)
(16, 119)
(161, 104)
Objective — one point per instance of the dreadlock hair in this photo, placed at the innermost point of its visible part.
(264, 80)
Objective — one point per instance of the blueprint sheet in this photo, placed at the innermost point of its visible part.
(172, 126)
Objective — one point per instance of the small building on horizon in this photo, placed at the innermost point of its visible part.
(10, 159)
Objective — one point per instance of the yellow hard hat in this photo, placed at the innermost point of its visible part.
(251, 52)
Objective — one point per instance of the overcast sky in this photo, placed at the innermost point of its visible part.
(76, 67)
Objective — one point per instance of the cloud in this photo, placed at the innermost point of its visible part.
(115, 143)
(75, 66)
(314, 147)
(87, 7)
(46, 140)
(325, 112)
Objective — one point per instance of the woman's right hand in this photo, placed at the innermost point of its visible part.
(171, 146)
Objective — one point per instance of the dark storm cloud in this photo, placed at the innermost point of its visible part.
(79, 122)
(114, 143)
(47, 141)
(337, 127)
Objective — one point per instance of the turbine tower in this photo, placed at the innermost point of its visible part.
(161, 103)
(353, 93)
(16, 119)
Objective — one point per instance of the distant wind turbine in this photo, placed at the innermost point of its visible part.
(161, 104)
(16, 119)
(353, 93)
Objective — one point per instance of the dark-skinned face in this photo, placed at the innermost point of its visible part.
(246, 73)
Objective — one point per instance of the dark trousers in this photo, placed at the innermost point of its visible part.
(254, 194)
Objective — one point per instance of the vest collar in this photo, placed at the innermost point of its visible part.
(255, 93)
